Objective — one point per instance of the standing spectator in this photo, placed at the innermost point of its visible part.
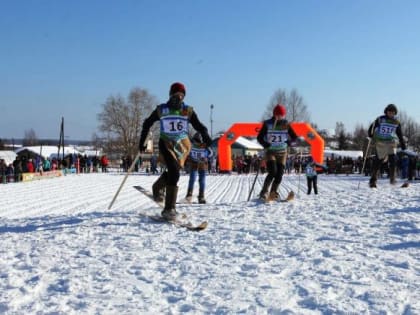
(104, 163)
(54, 164)
(30, 166)
(10, 173)
(385, 130)
(3, 169)
(263, 165)
(404, 166)
(174, 144)
(199, 163)
(154, 164)
(312, 175)
(275, 136)
(213, 164)
(47, 165)
(412, 167)
(17, 165)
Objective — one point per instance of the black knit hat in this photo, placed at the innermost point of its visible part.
(197, 138)
(392, 108)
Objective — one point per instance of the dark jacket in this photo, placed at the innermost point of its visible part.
(385, 129)
(282, 133)
(156, 116)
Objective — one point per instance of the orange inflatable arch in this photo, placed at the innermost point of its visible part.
(302, 129)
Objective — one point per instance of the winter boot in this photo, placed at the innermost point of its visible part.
(263, 195)
(375, 168)
(158, 188)
(274, 195)
(201, 198)
(372, 182)
(169, 212)
(189, 193)
(188, 197)
(264, 191)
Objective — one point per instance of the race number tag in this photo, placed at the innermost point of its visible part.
(310, 171)
(198, 154)
(174, 125)
(277, 139)
(386, 130)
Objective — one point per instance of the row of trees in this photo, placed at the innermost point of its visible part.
(121, 119)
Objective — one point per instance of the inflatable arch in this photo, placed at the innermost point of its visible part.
(301, 129)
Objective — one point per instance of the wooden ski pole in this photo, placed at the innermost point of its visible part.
(125, 178)
(364, 160)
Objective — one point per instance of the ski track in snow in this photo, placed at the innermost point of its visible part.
(348, 250)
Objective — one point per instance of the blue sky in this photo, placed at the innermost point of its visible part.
(347, 59)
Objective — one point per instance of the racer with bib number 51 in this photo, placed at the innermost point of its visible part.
(385, 130)
(174, 144)
(275, 136)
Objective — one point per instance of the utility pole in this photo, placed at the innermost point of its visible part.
(211, 120)
(61, 141)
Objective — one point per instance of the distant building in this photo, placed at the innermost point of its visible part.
(243, 146)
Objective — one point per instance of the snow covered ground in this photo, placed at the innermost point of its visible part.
(344, 251)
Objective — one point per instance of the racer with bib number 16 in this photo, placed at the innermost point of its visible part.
(174, 144)
(385, 130)
(275, 136)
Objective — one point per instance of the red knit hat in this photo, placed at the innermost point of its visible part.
(177, 87)
(279, 110)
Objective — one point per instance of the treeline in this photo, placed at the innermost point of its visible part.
(121, 118)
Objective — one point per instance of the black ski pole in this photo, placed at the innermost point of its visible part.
(255, 179)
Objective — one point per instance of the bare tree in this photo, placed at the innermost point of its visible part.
(120, 121)
(30, 138)
(142, 101)
(341, 137)
(294, 103)
(359, 138)
(410, 129)
(97, 142)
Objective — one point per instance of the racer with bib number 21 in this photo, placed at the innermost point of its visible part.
(275, 136)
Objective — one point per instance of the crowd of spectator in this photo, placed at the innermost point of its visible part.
(12, 172)
(407, 167)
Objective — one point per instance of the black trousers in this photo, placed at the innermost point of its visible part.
(312, 182)
(172, 165)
